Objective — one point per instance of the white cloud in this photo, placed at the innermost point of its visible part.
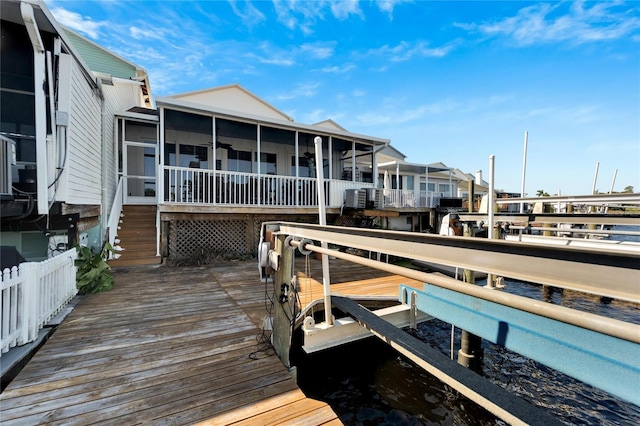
(148, 34)
(545, 23)
(303, 90)
(77, 22)
(249, 14)
(405, 51)
(388, 6)
(320, 50)
(338, 70)
(303, 15)
(342, 9)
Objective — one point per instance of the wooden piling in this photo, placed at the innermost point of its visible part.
(284, 302)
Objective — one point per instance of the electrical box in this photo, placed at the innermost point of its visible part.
(375, 198)
(355, 198)
(57, 245)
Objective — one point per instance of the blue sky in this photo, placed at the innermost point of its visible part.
(446, 81)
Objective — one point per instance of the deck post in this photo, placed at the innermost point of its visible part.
(284, 302)
(470, 353)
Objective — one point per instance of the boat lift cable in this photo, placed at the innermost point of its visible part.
(608, 326)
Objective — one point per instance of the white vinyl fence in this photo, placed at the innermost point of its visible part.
(32, 294)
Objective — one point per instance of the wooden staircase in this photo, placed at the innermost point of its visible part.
(137, 235)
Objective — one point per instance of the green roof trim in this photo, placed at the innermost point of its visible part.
(100, 60)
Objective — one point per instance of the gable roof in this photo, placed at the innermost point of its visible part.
(104, 62)
(330, 124)
(232, 97)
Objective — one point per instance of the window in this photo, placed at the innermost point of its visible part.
(268, 163)
(307, 166)
(190, 155)
(409, 183)
(443, 188)
(239, 161)
(187, 155)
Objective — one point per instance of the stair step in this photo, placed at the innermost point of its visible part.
(137, 235)
(136, 254)
(139, 208)
(115, 263)
(133, 232)
(135, 246)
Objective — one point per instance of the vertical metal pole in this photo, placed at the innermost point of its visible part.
(613, 182)
(490, 209)
(326, 281)
(592, 209)
(524, 168)
(491, 195)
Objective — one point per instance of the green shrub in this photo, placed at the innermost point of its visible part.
(94, 274)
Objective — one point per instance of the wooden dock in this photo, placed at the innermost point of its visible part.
(173, 346)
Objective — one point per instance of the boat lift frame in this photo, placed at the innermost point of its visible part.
(601, 351)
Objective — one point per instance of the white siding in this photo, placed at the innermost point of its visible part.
(84, 139)
(118, 98)
(233, 98)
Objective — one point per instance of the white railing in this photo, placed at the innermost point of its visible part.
(339, 187)
(429, 199)
(114, 215)
(407, 198)
(184, 185)
(32, 294)
(223, 188)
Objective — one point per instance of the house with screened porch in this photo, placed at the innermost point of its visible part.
(212, 165)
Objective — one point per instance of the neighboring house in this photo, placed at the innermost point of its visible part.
(59, 156)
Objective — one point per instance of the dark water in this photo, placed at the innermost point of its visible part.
(367, 383)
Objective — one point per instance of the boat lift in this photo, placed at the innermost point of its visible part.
(600, 351)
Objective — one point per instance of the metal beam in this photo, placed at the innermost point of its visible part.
(595, 199)
(493, 398)
(610, 274)
(603, 361)
(585, 219)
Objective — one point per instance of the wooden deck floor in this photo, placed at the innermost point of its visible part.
(171, 346)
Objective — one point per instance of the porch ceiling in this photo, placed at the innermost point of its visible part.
(255, 119)
(411, 168)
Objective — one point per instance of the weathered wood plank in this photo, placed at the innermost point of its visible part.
(172, 346)
(253, 410)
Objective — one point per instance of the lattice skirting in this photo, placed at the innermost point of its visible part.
(189, 238)
(228, 237)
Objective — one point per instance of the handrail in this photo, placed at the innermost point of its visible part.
(114, 215)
